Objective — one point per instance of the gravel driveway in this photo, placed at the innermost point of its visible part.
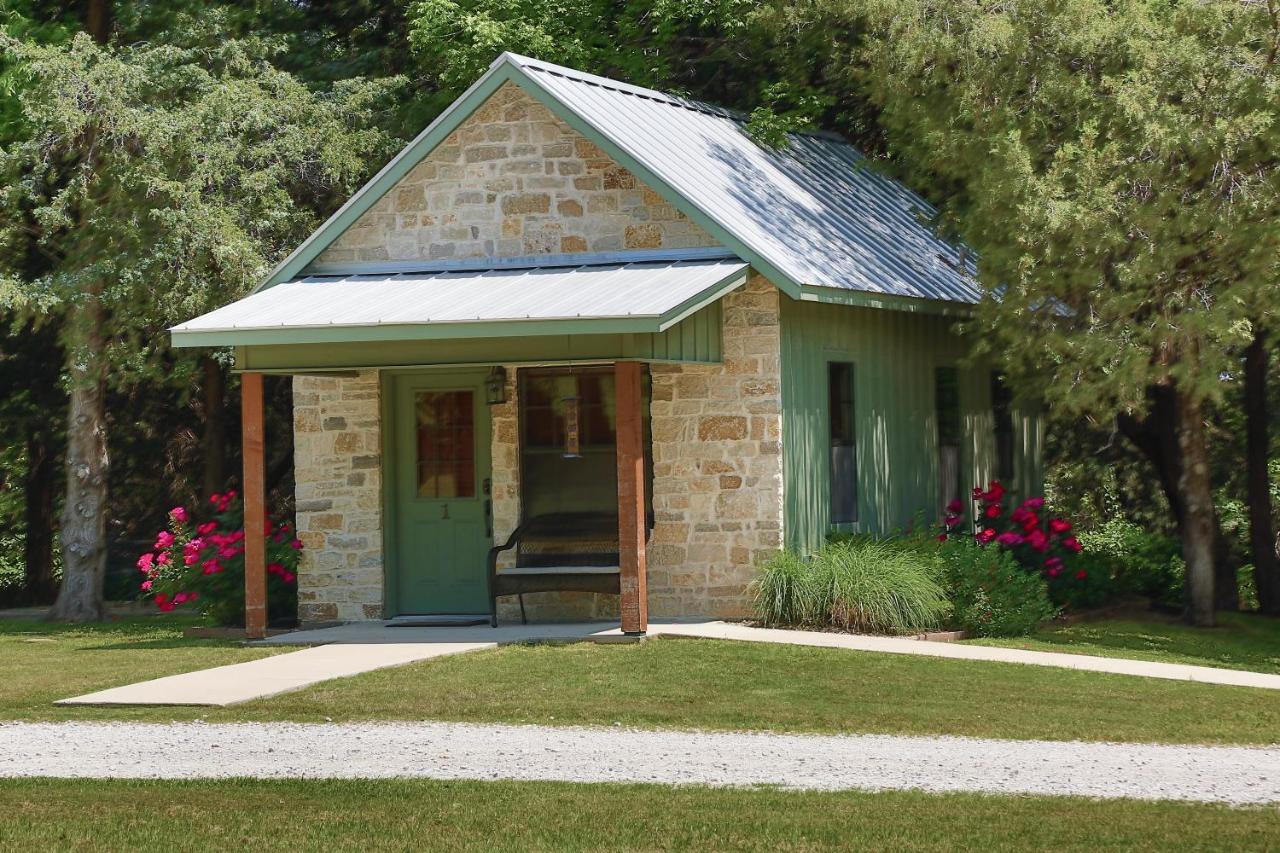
(461, 751)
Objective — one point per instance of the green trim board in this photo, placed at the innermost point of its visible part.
(887, 301)
(697, 339)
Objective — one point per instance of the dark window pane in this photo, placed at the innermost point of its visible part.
(1002, 415)
(446, 444)
(844, 463)
(946, 394)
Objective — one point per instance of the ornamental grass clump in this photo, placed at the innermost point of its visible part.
(859, 585)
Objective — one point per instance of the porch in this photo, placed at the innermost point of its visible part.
(418, 453)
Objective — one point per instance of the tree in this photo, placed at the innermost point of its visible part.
(156, 181)
(1115, 167)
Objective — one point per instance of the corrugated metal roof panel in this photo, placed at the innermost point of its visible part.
(639, 296)
(813, 209)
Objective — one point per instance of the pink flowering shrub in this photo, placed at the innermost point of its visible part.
(202, 565)
(1039, 540)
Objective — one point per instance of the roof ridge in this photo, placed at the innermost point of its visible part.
(531, 64)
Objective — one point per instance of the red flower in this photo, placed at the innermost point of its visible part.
(1053, 563)
(287, 577)
(986, 535)
(955, 508)
(296, 544)
(995, 492)
(1072, 544)
(1038, 541)
(1053, 573)
(942, 537)
(952, 520)
(275, 568)
(1081, 575)
(1009, 539)
(1058, 525)
(993, 511)
(1033, 503)
(211, 567)
(207, 528)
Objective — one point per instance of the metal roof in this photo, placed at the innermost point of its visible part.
(813, 211)
(632, 297)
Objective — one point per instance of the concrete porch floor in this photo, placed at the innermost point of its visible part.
(355, 648)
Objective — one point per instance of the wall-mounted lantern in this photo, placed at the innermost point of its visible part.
(495, 386)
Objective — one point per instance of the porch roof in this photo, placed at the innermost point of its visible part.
(624, 297)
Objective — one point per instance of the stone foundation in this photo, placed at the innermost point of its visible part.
(337, 459)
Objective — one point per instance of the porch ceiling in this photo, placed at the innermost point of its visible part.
(635, 297)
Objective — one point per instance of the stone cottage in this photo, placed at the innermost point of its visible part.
(586, 350)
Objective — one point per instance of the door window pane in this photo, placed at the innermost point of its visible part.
(844, 467)
(446, 444)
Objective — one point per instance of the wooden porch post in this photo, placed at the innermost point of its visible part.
(253, 447)
(632, 564)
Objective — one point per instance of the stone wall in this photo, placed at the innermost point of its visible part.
(337, 457)
(717, 464)
(514, 180)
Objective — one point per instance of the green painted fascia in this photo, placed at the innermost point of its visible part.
(696, 303)
(390, 174)
(417, 332)
(865, 299)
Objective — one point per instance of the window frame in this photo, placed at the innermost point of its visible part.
(851, 442)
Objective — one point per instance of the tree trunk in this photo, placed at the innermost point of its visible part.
(84, 515)
(1157, 437)
(1266, 567)
(39, 584)
(1196, 492)
(214, 438)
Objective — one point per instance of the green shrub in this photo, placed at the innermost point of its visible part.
(1137, 561)
(991, 594)
(858, 584)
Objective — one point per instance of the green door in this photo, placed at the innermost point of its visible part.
(442, 485)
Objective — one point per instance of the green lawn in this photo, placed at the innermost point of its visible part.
(413, 815)
(1241, 641)
(42, 662)
(662, 683)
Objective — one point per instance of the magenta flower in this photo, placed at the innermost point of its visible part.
(163, 540)
(1058, 525)
(955, 508)
(146, 561)
(207, 528)
(1033, 503)
(1072, 544)
(1038, 541)
(178, 514)
(1009, 539)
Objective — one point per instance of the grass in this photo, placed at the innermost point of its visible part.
(1241, 641)
(42, 662)
(664, 683)
(404, 815)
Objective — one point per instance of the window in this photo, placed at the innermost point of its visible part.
(446, 444)
(568, 443)
(946, 397)
(1002, 415)
(844, 468)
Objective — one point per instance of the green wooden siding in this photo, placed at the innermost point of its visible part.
(697, 338)
(895, 354)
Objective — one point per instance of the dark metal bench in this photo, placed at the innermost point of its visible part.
(571, 552)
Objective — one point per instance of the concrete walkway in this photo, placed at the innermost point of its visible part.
(574, 754)
(362, 647)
